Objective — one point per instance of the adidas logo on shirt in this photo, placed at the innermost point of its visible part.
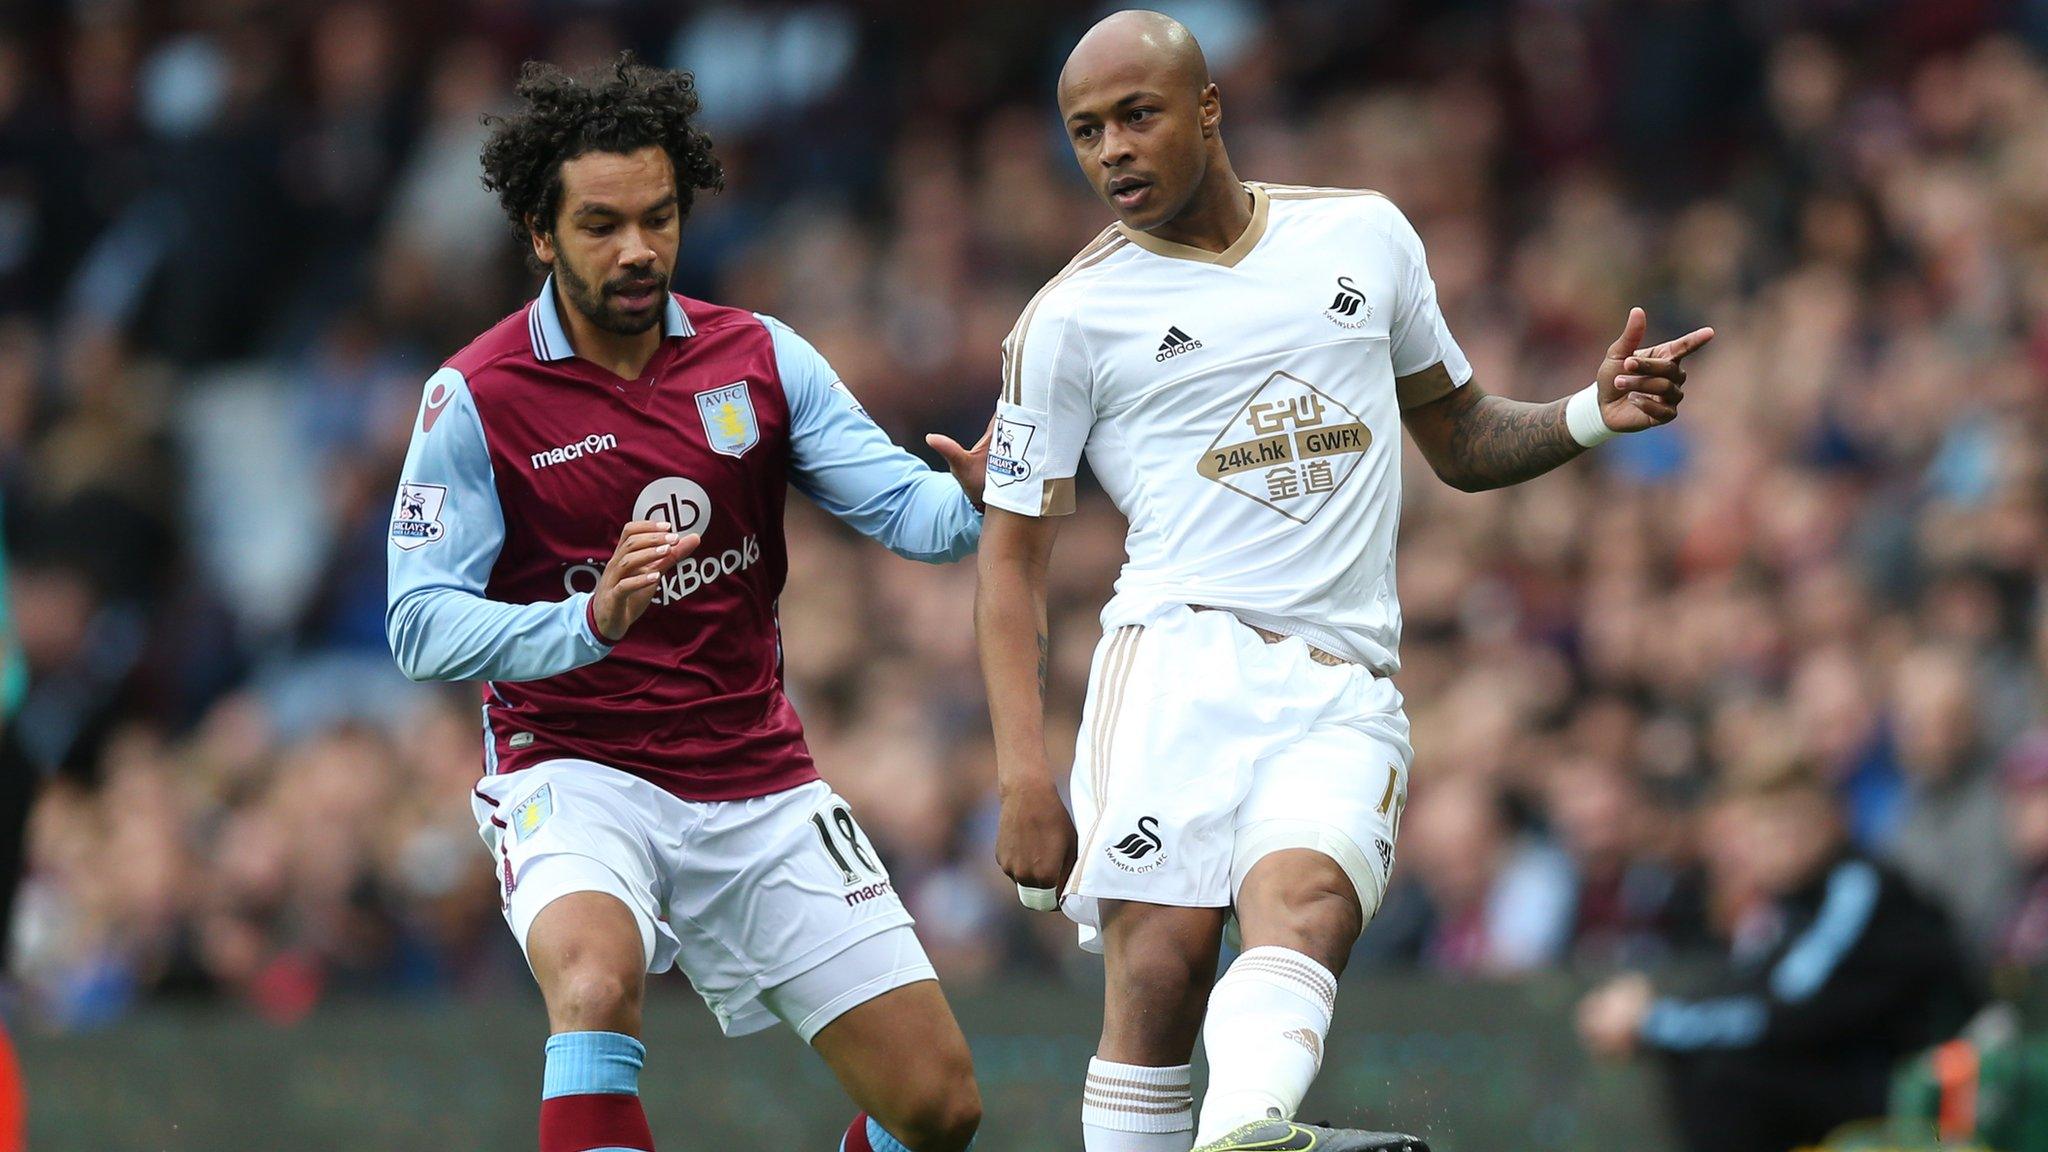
(1176, 342)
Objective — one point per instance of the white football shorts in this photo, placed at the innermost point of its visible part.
(775, 907)
(1205, 748)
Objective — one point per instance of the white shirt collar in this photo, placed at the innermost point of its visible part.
(551, 339)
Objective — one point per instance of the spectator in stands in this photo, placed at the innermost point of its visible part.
(1838, 969)
(2023, 937)
(1499, 901)
(1951, 842)
(1634, 899)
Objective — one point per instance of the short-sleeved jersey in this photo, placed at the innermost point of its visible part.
(525, 463)
(1242, 408)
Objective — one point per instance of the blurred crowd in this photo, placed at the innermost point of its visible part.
(236, 236)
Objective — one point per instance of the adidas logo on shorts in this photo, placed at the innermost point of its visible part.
(1176, 342)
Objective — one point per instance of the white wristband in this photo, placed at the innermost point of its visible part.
(1582, 418)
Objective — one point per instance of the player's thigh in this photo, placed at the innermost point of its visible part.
(1316, 835)
(579, 878)
(774, 888)
(902, 1058)
(1171, 729)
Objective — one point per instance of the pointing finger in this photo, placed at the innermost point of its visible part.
(1682, 347)
(1631, 334)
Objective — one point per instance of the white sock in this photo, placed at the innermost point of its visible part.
(1264, 1035)
(1129, 1108)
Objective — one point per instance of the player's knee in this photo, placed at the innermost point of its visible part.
(944, 1113)
(1159, 976)
(595, 999)
(1320, 917)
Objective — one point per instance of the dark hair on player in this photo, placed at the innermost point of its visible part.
(622, 107)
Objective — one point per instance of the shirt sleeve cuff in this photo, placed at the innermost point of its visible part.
(590, 629)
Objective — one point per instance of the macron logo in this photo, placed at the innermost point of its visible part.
(590, 445)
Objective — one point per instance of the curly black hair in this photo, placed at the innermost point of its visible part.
(622, 107)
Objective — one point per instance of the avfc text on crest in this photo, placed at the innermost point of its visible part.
(729, 423)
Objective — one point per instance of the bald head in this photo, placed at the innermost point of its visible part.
(1136, 41)
(1145, 122)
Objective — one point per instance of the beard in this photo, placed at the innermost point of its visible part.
(596, 302)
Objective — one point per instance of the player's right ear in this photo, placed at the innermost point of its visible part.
(543, 241)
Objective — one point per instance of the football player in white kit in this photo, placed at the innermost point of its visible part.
(1236, 361)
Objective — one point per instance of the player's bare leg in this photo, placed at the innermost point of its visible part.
(1270, 1014)
(903, 1060)
(1159, 963)
(1301, 899)
(588, 956)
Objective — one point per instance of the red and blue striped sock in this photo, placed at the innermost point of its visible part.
(864, 1135)
(590, 1094)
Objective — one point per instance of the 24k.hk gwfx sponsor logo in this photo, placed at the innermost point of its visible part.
(1290, 447)
(590, 445)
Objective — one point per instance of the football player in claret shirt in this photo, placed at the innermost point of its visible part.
(590, 523)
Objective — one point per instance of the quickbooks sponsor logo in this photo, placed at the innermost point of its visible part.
(694, 572)
(588, 446)
(691, 572)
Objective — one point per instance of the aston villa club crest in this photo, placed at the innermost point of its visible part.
(533, 811)
(729, 422)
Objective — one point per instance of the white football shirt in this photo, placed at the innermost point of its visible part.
(1242, 408)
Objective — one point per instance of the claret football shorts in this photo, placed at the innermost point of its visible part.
(1205, 747)
(775, 907)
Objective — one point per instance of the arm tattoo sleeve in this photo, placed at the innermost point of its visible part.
(1494, 441)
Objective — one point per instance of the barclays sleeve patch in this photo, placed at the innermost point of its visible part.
(1008, 444)
(416, 518)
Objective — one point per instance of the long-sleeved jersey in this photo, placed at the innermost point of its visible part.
(1856, 960)
(526, 462)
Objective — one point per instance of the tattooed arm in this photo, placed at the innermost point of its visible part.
(1035, 839)
(1476, 441)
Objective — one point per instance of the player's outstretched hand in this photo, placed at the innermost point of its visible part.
(647, 550)
(968, 465)
(1642, 387)
(1035, 841)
